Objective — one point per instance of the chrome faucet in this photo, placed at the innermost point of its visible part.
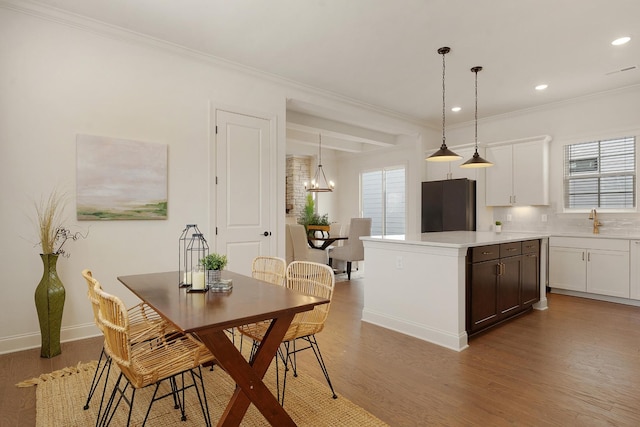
(593, 215)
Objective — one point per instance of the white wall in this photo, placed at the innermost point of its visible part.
(62, 77)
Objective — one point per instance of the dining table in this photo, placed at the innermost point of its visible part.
(325, 241)
(209, 315)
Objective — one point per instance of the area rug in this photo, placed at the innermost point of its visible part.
(61, 395)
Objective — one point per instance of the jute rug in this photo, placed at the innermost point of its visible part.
(61, 395)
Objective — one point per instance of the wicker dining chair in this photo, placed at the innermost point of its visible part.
(150, 362)
(269, 268)
(312, 279)
(145, 323)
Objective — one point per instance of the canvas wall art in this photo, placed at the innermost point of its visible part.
(119, 179)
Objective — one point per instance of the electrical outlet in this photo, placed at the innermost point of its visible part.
(544, 218)
(508, 217)
(399, 264)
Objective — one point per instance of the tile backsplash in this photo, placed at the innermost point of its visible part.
(531, 218)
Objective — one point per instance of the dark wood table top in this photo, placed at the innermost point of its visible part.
(249, 301)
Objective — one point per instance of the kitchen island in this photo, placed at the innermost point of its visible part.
(417, 285)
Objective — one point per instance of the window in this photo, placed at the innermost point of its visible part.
(383, 200)
(600, 174)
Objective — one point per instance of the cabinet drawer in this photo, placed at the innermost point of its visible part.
(485, 253)
(510, 249)
(531, 247)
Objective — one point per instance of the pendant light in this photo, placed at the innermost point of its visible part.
(319, 183)
(443, 154)
(476, 161)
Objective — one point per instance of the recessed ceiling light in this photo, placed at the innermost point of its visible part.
(621, 40)
(456, 109)
(542, 87)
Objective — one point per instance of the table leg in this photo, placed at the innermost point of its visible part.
(248, 377)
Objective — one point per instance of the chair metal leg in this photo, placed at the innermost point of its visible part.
(316, 350)
(97, 376)
(110, 410)
(348, 270)
(290, 358)
(205, 407)
(104, 388)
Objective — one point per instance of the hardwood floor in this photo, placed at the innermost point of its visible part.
(576, 364)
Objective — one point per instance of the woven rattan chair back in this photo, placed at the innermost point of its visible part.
(91, 294)
(313, 279)
(270, 269)
(114, 319)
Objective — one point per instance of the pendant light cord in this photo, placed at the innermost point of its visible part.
(476, 70)
(476, 116)
(443, 99)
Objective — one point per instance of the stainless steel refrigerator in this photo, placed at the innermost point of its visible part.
(449, 205)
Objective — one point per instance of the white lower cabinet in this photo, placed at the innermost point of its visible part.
(567, 268)
(634, 274)
(594, 265)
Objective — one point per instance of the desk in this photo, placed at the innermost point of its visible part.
(209, 314)
(326, 241)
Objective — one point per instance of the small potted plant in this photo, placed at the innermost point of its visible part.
(214, 264)
(498, 227)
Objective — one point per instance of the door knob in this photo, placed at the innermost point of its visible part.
(266, 233)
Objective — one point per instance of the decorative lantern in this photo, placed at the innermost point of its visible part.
(192, 248)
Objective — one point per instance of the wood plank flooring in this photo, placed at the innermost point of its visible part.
(576, 364)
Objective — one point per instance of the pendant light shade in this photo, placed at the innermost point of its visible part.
(476, 161)
(319, 183)
(443, 154)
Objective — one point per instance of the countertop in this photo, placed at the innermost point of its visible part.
(458, 239)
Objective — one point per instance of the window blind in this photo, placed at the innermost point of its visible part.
(600, 174)
(383, 200)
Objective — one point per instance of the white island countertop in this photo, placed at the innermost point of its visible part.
(458, 239)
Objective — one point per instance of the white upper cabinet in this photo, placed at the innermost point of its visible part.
(520, 173)
(437, 171)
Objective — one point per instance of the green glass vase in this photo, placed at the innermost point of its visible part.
(49, 297)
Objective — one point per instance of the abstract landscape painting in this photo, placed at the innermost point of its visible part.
(120, 179)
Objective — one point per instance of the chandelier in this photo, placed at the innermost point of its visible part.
(319, 183)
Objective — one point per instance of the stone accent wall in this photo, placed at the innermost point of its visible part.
(298, 171)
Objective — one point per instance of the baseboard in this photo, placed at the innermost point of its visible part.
(439, 337)
(606, 298)
(28, 341)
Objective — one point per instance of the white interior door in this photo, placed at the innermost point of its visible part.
(243, 189)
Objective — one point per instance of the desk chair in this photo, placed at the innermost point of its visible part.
(353, 249)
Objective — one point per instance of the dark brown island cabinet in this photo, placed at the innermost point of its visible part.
(503, 281)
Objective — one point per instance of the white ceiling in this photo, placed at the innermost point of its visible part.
(383, 52)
